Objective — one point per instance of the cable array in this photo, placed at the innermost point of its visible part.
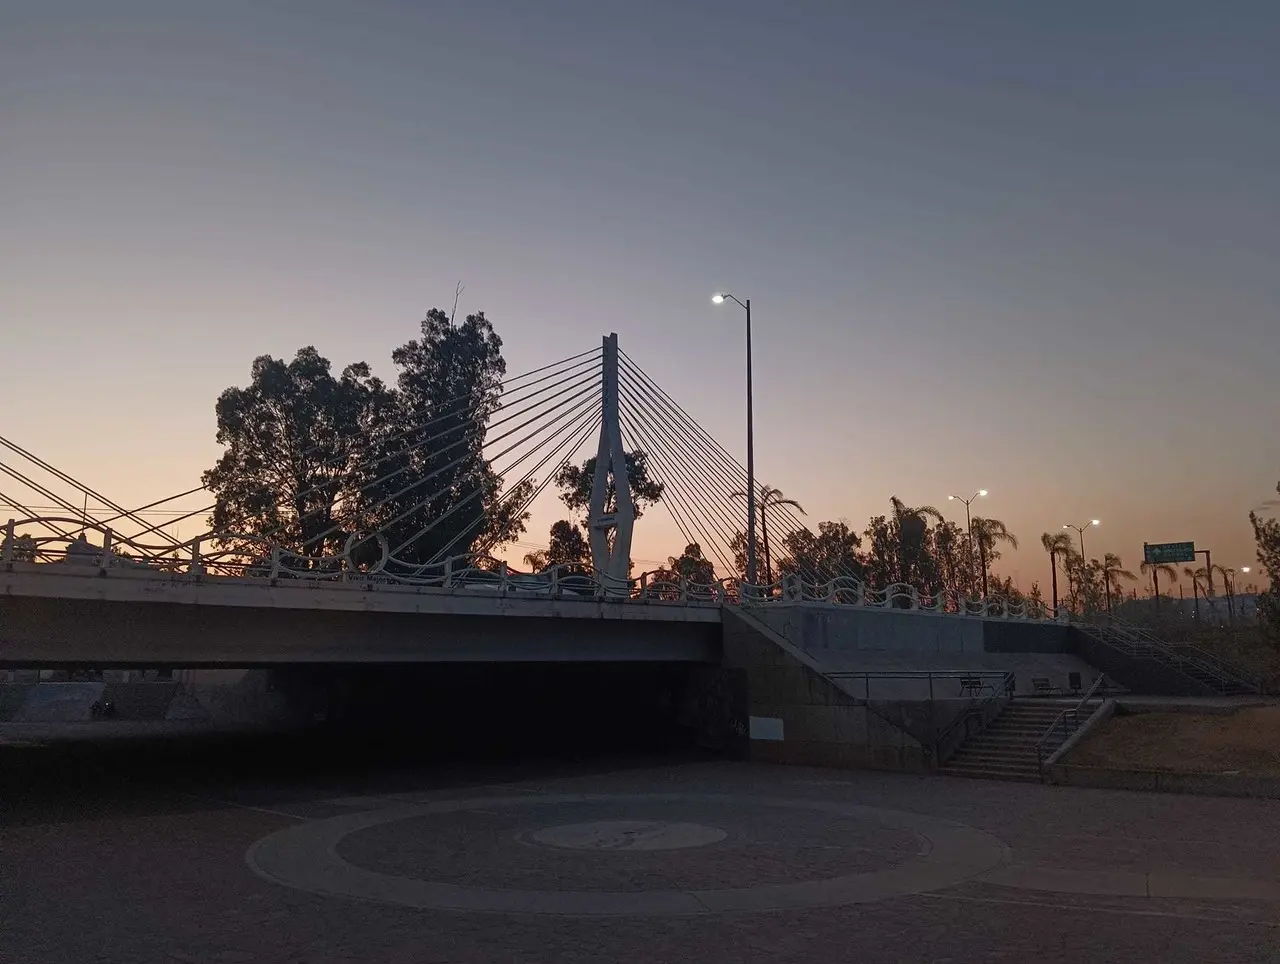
(581, 369)
(702, 479)
(402, 488)
(69, 480)
(538, 421)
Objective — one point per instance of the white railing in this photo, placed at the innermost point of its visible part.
(257, 558)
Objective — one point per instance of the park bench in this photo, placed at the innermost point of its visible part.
(973, 686)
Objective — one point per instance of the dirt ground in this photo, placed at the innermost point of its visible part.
(1247, 740)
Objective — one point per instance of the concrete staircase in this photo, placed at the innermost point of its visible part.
(1006, 749)
(1146, 663)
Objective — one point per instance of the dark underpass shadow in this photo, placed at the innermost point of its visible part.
(377, 731)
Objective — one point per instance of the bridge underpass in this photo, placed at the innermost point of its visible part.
(477, 667)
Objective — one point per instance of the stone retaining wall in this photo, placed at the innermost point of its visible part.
(1211, 784)
(798, 716)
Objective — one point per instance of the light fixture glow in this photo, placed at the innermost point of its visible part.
(982, 492)
(1095, 522)
(717, 299)
(1244, 568)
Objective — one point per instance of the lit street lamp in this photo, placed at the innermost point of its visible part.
(1080, 530)
(718, 299)
(969, 526)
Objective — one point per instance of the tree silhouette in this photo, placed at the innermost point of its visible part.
(822, 557)
(692, 566)
(1198, 577)
(986, 534)
(1056, 544)
(457, 507)
(915, 565)
(575, 481)
(1266, 532)
(770, 498)
(1112, 572)
(568, 547)
(294, 441)
(1156, 570)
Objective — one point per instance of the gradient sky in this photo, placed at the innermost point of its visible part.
(1027, 247)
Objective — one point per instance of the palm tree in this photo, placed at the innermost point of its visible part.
(913, 523)
(1228, 584)
(1055, 543)
(986, 533)
(1158, 569)
(770, 498)
(1196, 575)
(1112, 572)
(536, 560)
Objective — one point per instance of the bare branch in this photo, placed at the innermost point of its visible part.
(457, 293)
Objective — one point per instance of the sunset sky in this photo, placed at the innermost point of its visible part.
(1028, 247)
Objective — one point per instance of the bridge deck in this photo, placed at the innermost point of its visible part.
(57, 616)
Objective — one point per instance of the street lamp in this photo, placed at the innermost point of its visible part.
(968, 521)
(1080, 530)
(718, 299)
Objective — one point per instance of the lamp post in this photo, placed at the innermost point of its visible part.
(968, 521)
(1083, 559)
(1080, 530)
(719, 299)
(1244, 570)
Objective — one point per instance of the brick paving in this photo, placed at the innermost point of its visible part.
(137, 871)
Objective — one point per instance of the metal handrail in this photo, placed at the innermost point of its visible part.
(1004, 692)
(921, 674)
(1071, 714)
(1180, 653)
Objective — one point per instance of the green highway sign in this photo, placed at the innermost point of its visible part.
(1158, 552)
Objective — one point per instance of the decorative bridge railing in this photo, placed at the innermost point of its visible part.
(204, 558)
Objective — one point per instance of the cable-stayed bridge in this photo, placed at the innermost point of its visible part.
(403, 529)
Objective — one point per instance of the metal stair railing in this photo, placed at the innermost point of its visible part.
(1068, 721)
(1186, 659)
(954, 734)
(997, 685)
(1197, 655)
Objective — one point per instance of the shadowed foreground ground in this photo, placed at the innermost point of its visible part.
(297, 850)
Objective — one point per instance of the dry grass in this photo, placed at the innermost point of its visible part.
(1247, 740)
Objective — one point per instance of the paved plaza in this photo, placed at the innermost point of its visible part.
(628, 861)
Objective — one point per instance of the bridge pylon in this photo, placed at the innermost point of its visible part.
(610, 526)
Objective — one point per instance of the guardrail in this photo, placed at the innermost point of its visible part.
(246, 556)
(937, 684)
(1068, 721)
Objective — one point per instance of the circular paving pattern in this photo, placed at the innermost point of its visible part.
(625, 854)
(627, 835)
